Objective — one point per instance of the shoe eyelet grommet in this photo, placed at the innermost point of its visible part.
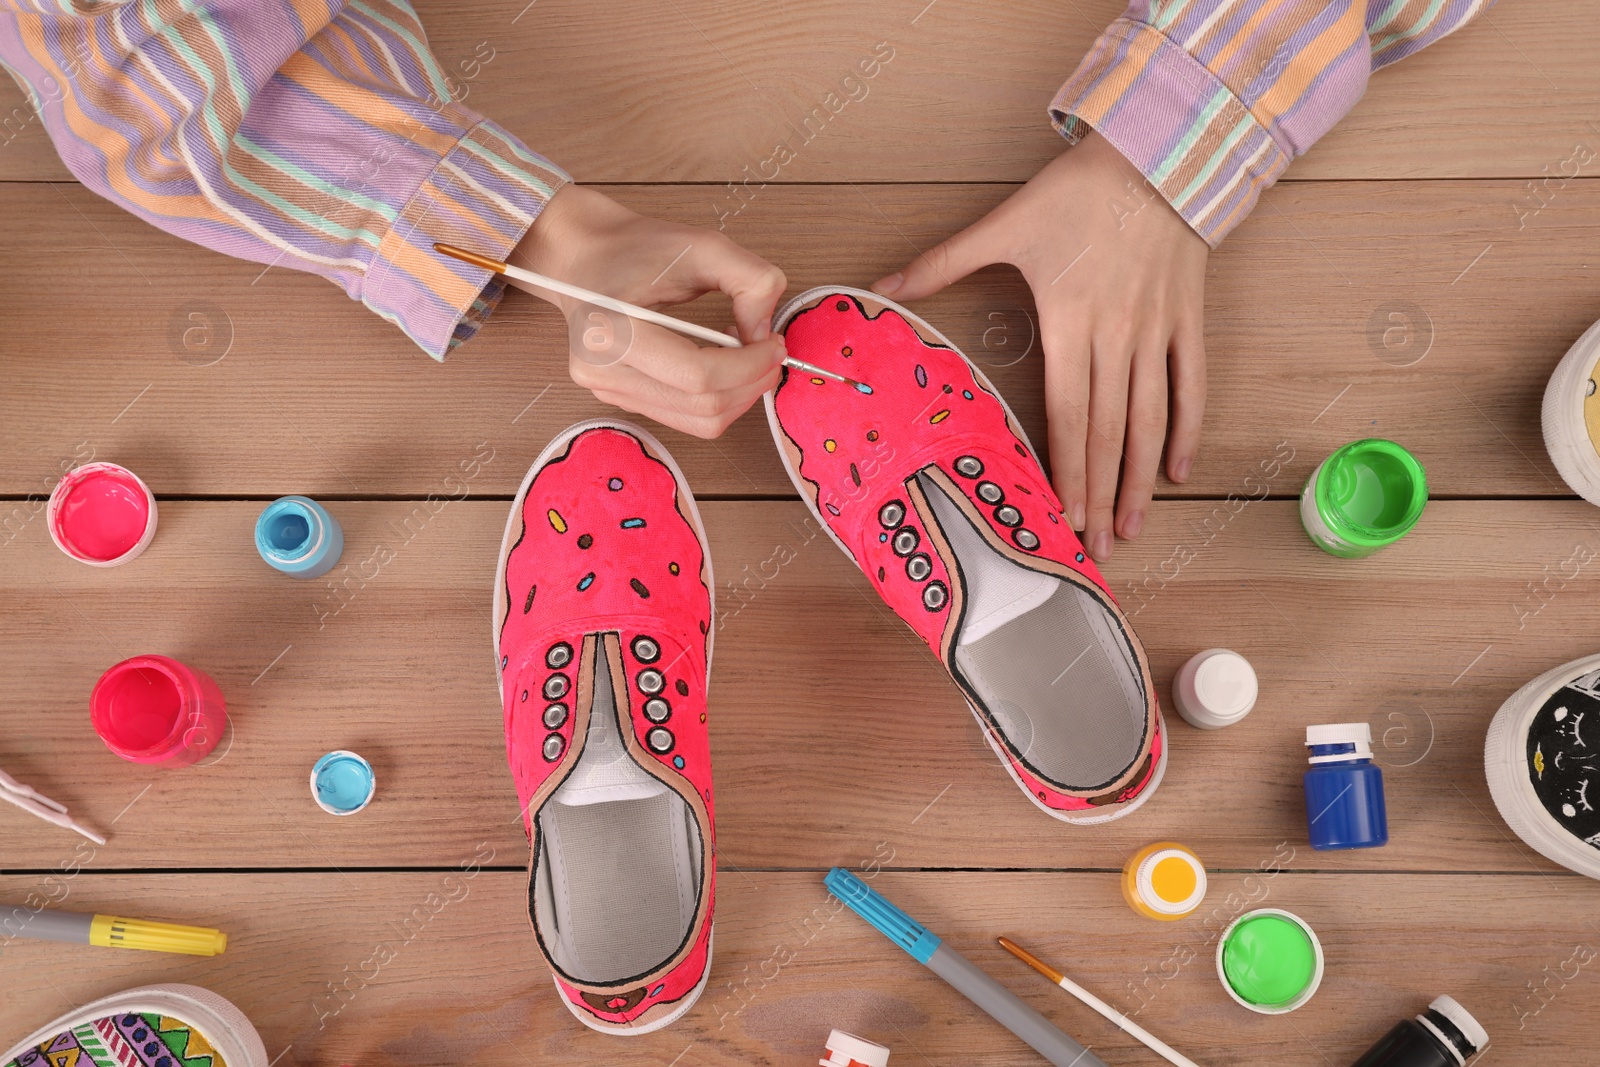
(554, 745)
(969, 466)
(918, 567)
(1007, 515)
(559, 656)
(1026, 539)
(555, 716)
(990, 493)
(555, 687)
(645, 650)
(651, 682)
(906, 541)
(892, 514)
(657, 710)
(659, 739)
(935, 596)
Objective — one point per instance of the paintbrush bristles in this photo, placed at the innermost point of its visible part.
(1031, 960)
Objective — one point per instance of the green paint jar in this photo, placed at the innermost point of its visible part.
(1364, 496)
(1270, 961)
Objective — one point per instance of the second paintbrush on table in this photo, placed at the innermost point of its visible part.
(1127, 1025)
(632, 311)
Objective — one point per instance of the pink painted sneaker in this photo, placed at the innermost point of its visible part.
(929, 484)
(602, 615)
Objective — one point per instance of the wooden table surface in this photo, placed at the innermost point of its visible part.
(836, 738)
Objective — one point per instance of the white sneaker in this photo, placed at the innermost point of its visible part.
(1542, 758)
(1571, 417)
(153, 1026)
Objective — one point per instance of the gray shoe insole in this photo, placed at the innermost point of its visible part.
(619, 873)
(1046, 659)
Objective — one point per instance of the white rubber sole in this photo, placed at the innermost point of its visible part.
(1566, 436)
(1505, 765)
(218, 1021)
(779, 321)
(556, 445)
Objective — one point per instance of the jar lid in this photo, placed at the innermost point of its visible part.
(845, 1050)
(1353, 739)
(1226, 685)
(1171, 881)
(1470, 1028)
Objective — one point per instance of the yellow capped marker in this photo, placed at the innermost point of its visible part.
(112, 931)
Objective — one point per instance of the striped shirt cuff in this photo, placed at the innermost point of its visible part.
(482, 195)
(1174, 120)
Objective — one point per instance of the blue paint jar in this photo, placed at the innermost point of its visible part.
(297, 536)
(1344, 789)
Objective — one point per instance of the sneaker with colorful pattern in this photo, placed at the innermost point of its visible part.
(155, 1026)
(602, 622)
(924, 478)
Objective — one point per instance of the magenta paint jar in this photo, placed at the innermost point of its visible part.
(153, 709)
(101, 514)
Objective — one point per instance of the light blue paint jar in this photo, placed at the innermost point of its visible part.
(342, 783)
(297, 536)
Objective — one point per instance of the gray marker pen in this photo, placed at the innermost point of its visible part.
(925, 947)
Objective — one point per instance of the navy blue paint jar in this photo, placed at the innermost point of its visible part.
(1344, 789)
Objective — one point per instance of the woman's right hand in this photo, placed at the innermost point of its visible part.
(586, 238)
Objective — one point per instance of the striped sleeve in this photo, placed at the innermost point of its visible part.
(320, 135)
(1211, 99)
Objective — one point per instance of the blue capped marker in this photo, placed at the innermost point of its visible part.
(925, 947)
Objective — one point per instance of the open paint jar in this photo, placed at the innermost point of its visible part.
(101, 514)
(1270, 961)
(342, 783)
(153, 709)
(1164, 881)
(1364, 496)
(297, 536)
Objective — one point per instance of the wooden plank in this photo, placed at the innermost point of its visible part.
(463, 983)
(704, 89)
(832, 730)
(1415, 310)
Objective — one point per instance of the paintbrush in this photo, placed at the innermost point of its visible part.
(633, 311)
(36, 803)
(1155, 1044)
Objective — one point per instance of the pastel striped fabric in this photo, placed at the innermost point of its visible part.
(1211, 99)
(314, 134)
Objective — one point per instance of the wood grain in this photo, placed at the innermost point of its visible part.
(626, 91)
(1413, 310)
(832, 730)
(465, 985)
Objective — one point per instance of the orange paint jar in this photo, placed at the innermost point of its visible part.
(1164, 881)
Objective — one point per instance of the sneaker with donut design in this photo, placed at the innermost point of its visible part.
(924, 478)
(602, 629)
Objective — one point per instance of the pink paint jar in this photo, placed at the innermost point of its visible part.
(152, 709)
(101, 514)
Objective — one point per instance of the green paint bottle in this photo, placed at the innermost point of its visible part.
(1270, 961)
(1364, 496)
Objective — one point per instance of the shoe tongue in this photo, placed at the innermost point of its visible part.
(996, 591)
(605, 771)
